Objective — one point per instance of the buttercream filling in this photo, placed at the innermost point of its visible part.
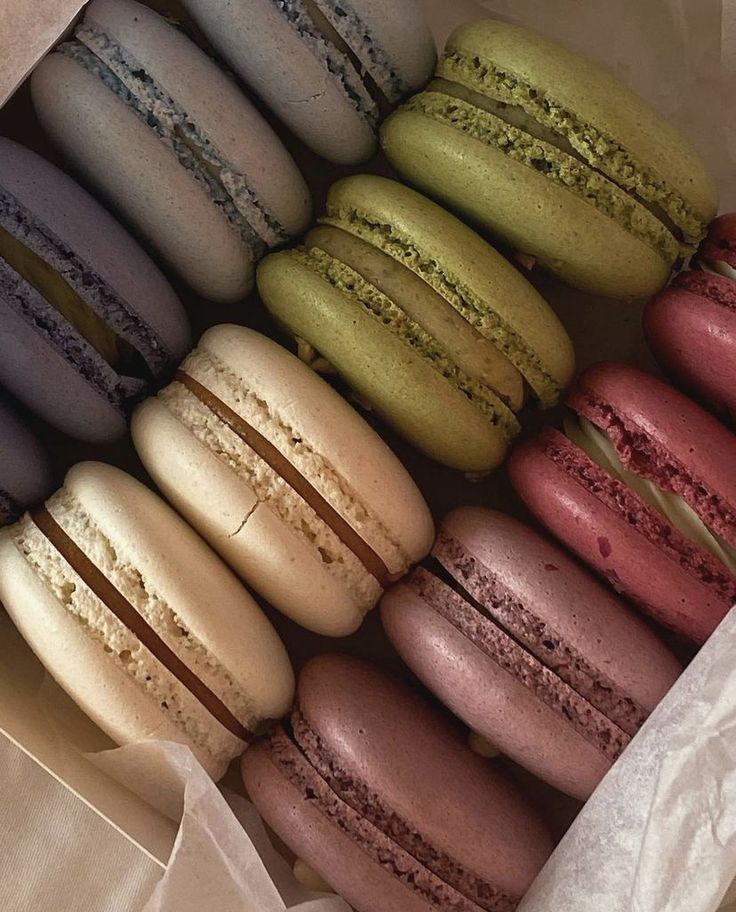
(228, 187)
(154, 628)
(599, 447)
(313, 22)
(477, 312)
(441, 880)
(599, 149)
(718, 267)
(390, 315)
(566, 170)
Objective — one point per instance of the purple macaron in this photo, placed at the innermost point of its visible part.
(24, 472)
(87, 321)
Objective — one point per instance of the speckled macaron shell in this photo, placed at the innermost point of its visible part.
(25, 477)
(691, 328)
(401, 385)
(55, 388)
(145, 549)
(571, 611)
(140, 176)
(719, 245)
(417, 773)
(216, 493)
(290, 72)
(561, 226)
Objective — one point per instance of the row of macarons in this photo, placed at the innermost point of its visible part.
(540, 147)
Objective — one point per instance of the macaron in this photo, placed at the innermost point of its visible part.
(429, 325)
(25, 477)
(87, 321)
(641, 486)
(327, 69)
(691, 326)
(170, 142)
(284, 479)
(550, 152)
(528, 649)
(139, 621)
(376, 792)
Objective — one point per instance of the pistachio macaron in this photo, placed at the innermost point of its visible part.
(139, 621)
(550, 152)
(153, 125)
(284, 479)
(430, 326)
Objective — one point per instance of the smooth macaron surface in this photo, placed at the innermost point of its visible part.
(80, 301)
(326, 69)
(425, 320)
(25, 475)
(551, 153)
(650, 505)
(139, 621)
(434, 825)
(283, 478)
(171, 143)
(527, 648)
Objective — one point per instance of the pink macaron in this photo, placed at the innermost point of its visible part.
(528, 649)
(691, 326)
(642, 486)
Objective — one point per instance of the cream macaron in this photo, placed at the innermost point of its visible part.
(171, 143)
(139, 621)
(283, 478)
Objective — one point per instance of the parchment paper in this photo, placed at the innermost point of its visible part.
(659, 834)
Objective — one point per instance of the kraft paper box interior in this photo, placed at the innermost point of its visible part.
(84, 826)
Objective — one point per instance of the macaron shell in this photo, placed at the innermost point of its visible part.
(566, 234)
(720, 242)
(604, 538)
(214, 103)
(141, 178)
(694, 337)
(272, 59)
(24, 469)
(596, 97)
(488, 699)
(389, 738)
(402, 387)
(254, 541)
(465, 259)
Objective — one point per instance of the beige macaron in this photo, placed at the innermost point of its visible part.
(139, 621)
(284, 479)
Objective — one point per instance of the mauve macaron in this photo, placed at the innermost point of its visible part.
(643, 488)
(691, 326)
(87, 321)
(529, 650)
(374, 789)
(24, 471)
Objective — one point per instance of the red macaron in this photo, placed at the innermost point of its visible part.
(374, 789)
(691, 326)
(642, 486)
(527, 648)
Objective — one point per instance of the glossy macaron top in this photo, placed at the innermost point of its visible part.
(191, 657)
(326, 69)
(172, 143)
(25, 476)
(383, 749)
(719, 246)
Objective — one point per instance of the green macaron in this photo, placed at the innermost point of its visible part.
(550, 152)
(430, 326)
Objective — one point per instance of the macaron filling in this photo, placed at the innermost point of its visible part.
(600, 448)
(228, 188)
(470, 597)
(603, 152)
(392, 842)
(478, 313)
(134, 625)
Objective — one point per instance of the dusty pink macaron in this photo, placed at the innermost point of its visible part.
(374, 789)
(528, 649)
(691, 326)
(642, 486)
